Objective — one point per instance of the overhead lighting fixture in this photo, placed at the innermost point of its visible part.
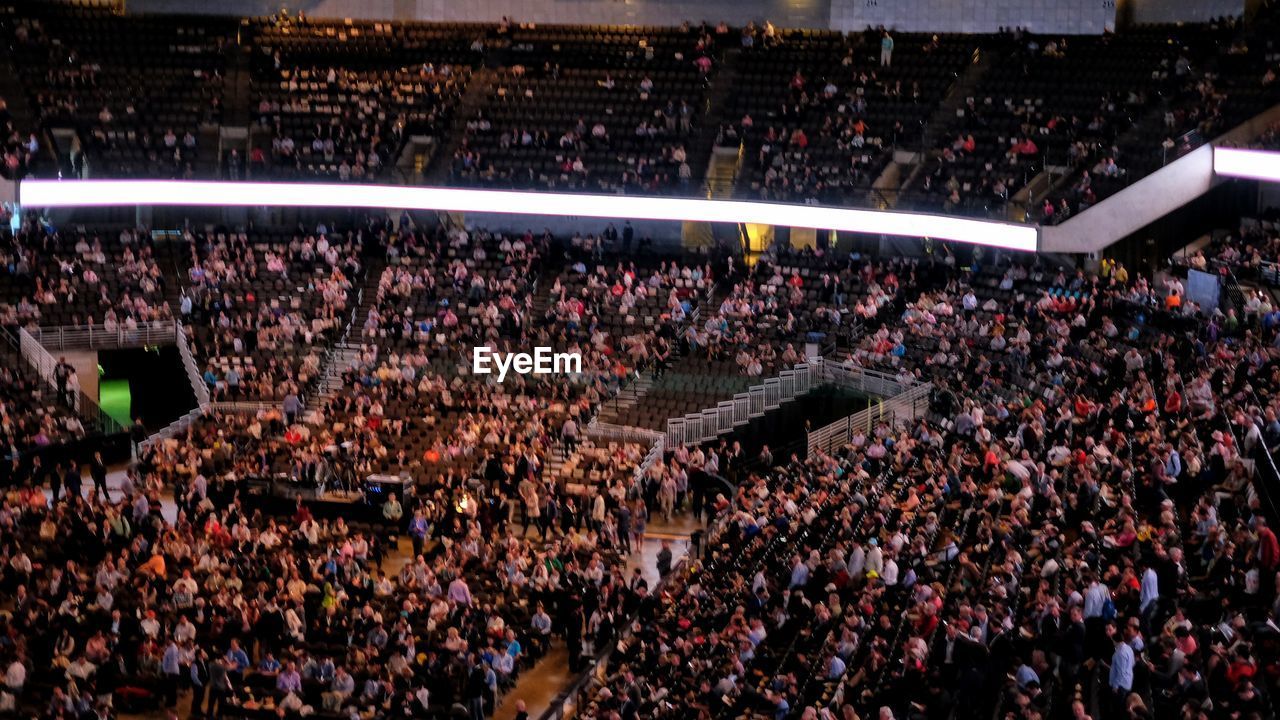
(1249, 164)
(98, 193)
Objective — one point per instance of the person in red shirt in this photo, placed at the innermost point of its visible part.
(1268, 546)
(1173, 402)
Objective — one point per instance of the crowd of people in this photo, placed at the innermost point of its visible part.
(21, 150)
(262, 310)
(1080, 524)
(71, 277)
(1073, 524)
(1075, 527)
(1076, 510)
(180, 582)
(344, 123)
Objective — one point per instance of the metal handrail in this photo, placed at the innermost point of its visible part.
(98, 336)
(698, 427)
(198, 385)
(81, 404)
(241, 406)
(906, 405)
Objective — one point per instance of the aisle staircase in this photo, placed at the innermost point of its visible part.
(722, 174)
(436, 171)
(346, 351)
(702, 147)
(960, 91)
(943, 116)
(344, 357)
(627, 398)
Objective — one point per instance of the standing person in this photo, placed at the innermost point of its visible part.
(199, 681)
(550, 512)
(219, 686)
(639, 523)
(667, 495)
(62, 373)
(1121, 675)
(569, 434)
(598, 510)
(475, 690)
(170, 667)
(55, 483)
(73, 482)
(532, 506)
(624, 528)
(418, 531)
(98, 472)
(886, 49)
(291, 406)
(573, 621)
(664, 559)
(137, 435)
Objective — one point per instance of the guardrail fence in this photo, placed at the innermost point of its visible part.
(656, 441)
(710, 423)
(100, 337)
(44, 364)
(198, 385)
(910, 404)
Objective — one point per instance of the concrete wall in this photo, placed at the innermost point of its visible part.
(86, 364)
(787, 13)
(1133, 208)
(1167, 11)
(980, 16)
(1151, 198)
(1058, 16)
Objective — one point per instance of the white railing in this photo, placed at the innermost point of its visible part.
(173, 428)
(242, 406)
(99, 337)
(198, 385)
(710, 423)
(907, 405)
(654, 440)
(44, 364)
(1269, 272)
(698, 427)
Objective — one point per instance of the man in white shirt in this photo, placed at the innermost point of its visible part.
(15, 677)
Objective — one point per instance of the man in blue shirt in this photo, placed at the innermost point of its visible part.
(170, 667)
(799, 573)
(1122, 661)
(835, 668)
(238, 658)
(418, 528)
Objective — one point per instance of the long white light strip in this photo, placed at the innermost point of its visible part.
(1248, 164)
(87, 193)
